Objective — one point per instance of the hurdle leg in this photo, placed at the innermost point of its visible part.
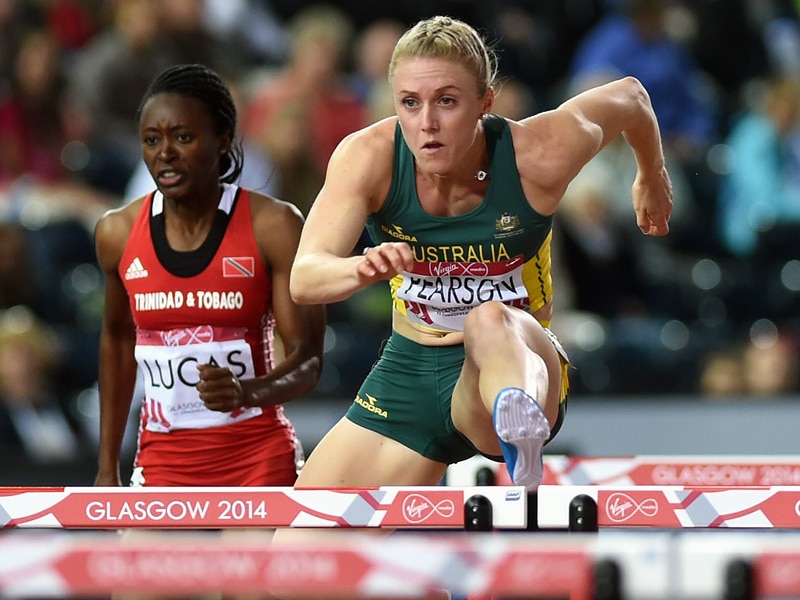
(607, 580)
(533, 512)
(583, 513)
(485, 476)
(739, 584)
(478, 515)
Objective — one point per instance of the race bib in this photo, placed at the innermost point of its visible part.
(440, 295)
(168, 363)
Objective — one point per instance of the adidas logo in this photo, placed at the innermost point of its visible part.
(135, 270)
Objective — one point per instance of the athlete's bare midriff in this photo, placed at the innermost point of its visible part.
(426, 337)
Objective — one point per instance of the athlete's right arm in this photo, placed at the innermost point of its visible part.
(356, 183)
(117, 365)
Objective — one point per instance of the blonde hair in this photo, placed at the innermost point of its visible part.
(445, 37)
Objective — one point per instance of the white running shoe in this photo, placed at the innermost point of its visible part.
(523, 430)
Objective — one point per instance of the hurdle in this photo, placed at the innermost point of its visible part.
(586, 493)
(671, 507)
(396, 507)
(623, 564)
(337, 564)
(640, 470)
(684, 470)
(582, 493)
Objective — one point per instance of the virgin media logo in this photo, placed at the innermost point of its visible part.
(188, 335)
(458, 269)
(418, 509)
(621, 507)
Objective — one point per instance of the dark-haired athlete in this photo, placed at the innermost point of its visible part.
(197, 282)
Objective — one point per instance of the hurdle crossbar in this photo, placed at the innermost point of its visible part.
(672, 470)
(232, 507)
(560, 469)
(672, 506)
(651, 564)
(352, 563)
(750, 470)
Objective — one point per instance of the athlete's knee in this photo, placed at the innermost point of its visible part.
(486, 322)
(486, 314)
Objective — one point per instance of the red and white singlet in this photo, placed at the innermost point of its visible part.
(210, 305)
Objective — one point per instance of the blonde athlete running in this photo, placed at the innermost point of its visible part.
(459, 203)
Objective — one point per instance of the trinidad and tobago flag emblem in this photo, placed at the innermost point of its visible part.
(238, 266)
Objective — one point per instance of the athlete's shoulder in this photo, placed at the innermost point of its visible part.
(120, 219)
(268, 207)
(526, 129)
(112, 231)
(375, 139)
(276, 225)
(537, 138)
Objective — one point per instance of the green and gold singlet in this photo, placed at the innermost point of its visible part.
(500, 251)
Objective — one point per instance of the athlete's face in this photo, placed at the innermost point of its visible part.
(439, 107)
(180, 146)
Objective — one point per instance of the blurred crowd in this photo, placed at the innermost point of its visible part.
(710, 310)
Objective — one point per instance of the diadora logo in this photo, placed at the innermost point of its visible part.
(135, 270)
(371, 405)
(397, 232)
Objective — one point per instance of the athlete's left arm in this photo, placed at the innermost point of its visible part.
(553, 146)
(277, 226)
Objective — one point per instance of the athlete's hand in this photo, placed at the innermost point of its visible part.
(220, 389)
(652, 202)
(385, 261)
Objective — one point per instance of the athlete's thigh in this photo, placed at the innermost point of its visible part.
(472, 413)
(351, 456)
